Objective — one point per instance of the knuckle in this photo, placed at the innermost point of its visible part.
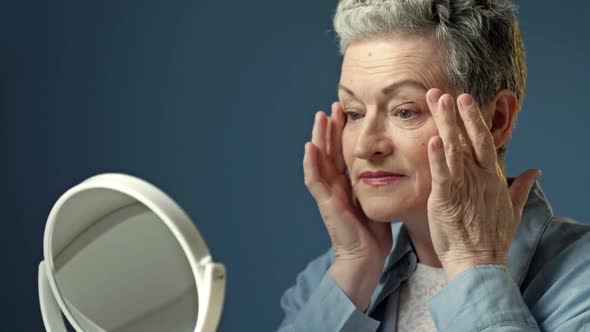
(484, 140)
(442, 180)
(453, 149)
(457, 182)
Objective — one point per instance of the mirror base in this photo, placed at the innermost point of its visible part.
(52, 318)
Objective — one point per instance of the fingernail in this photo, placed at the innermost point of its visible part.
(437, 144)
(434, 97)
(466, 100)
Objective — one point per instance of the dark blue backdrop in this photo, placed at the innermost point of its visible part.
(212, 101)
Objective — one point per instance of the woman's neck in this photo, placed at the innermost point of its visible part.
(419, 232)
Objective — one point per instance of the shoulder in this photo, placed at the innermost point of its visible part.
(566, 228)
(307, 280)
(561, 237)
(556, 287)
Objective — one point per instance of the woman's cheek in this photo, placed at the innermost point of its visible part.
(419, 159)
(419, 140)
(348, 149)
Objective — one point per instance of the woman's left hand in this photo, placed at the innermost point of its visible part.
(472, 214)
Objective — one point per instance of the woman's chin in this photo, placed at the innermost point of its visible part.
(382, 213)
(386, 210)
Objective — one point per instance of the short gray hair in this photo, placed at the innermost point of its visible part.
(485, 52)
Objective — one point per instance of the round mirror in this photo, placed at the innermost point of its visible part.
(121, 256)
(149, 285)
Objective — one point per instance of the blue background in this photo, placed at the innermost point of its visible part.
(212, 101)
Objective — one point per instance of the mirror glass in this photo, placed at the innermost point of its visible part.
(126, 272)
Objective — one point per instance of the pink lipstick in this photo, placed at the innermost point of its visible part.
(380, 178)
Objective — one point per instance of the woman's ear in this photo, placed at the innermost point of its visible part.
(502, 111)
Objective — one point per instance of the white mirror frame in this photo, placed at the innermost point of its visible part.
(210, 277)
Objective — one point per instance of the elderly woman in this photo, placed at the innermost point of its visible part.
(428, 96)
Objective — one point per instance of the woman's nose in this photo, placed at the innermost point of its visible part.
(373, 140)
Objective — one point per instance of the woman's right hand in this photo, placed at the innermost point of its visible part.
(360, 245)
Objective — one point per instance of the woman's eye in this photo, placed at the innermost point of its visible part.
(405, 114)
(352, 116)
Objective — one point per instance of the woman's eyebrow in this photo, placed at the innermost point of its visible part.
(394, 87)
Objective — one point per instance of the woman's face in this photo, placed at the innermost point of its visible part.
(382, 91)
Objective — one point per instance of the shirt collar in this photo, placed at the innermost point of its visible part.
(536, 215)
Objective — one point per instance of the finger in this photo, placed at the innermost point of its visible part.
(478, 132)
(443, 110)
(441, 175)
(337, 117)
(312, 175)
(328, 138)
(318, 136)
(520, 189)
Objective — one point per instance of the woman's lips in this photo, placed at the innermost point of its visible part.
(377, 179)
(381, 181)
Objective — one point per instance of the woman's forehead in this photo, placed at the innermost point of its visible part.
(385, 60)
(383, 47)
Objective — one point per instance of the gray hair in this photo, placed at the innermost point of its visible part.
(485, 52)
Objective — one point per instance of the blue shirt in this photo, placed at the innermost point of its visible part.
(546, 286)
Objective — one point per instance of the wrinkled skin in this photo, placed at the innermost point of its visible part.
(454, 199)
